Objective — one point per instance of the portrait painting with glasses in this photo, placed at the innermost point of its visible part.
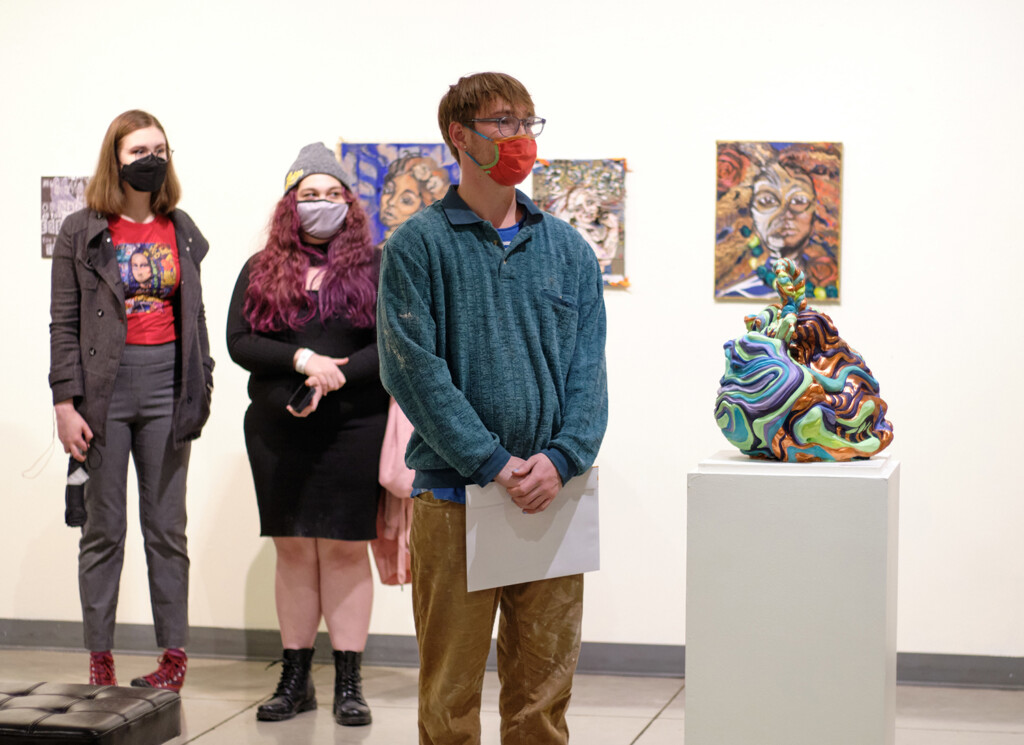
(777, 200)
(394, 181)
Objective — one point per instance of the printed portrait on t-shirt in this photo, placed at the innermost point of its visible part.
(149, 274)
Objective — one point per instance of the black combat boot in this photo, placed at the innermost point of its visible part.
(349, 705)
(295, 693)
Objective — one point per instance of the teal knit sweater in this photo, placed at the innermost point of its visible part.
(492, 351)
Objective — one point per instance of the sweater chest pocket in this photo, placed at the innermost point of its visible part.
(560, 316)
(563, 301)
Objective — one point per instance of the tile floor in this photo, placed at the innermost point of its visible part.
(220, 698)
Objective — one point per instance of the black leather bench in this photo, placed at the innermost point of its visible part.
(98, 715)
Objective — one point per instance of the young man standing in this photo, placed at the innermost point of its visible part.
(491, 327)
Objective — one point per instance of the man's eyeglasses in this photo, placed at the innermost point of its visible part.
(508, 126)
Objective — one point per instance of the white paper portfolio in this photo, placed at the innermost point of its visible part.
(506, 547)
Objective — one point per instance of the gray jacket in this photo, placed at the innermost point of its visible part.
(88, 323)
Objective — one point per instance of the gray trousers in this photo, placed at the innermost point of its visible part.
(138, 423)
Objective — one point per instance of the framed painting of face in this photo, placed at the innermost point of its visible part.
(590, 195)
(777, 200)
(395, 181)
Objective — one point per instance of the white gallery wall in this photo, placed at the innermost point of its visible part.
(927, 98)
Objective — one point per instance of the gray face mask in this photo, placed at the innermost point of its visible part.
(321, 219)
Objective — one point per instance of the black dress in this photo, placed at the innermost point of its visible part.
(315, 477)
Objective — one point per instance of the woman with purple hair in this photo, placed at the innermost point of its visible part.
(302, 320)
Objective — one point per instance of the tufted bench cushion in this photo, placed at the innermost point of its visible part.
(99, 715)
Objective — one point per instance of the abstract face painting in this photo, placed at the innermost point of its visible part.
(782, 207)
(777, 200)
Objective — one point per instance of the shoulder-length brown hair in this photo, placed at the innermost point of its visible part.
(104, 193)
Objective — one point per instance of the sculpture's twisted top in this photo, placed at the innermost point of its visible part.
(793, 390)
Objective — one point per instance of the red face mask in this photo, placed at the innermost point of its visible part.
(513, 159)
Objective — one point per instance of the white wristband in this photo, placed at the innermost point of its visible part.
(302, 359)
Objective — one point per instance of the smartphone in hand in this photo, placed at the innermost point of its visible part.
(302, 397)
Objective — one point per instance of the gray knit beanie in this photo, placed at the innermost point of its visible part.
(314, 158)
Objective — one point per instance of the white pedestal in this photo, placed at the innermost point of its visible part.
(791, 602)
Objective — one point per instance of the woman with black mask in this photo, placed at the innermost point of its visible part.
(131, 373)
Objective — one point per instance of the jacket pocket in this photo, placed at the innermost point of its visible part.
(195, 406)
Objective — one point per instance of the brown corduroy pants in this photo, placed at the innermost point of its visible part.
(538, 640)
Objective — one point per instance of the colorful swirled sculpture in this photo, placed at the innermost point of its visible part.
(793, 390)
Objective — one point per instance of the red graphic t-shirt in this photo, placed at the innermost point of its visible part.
(148, 256)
